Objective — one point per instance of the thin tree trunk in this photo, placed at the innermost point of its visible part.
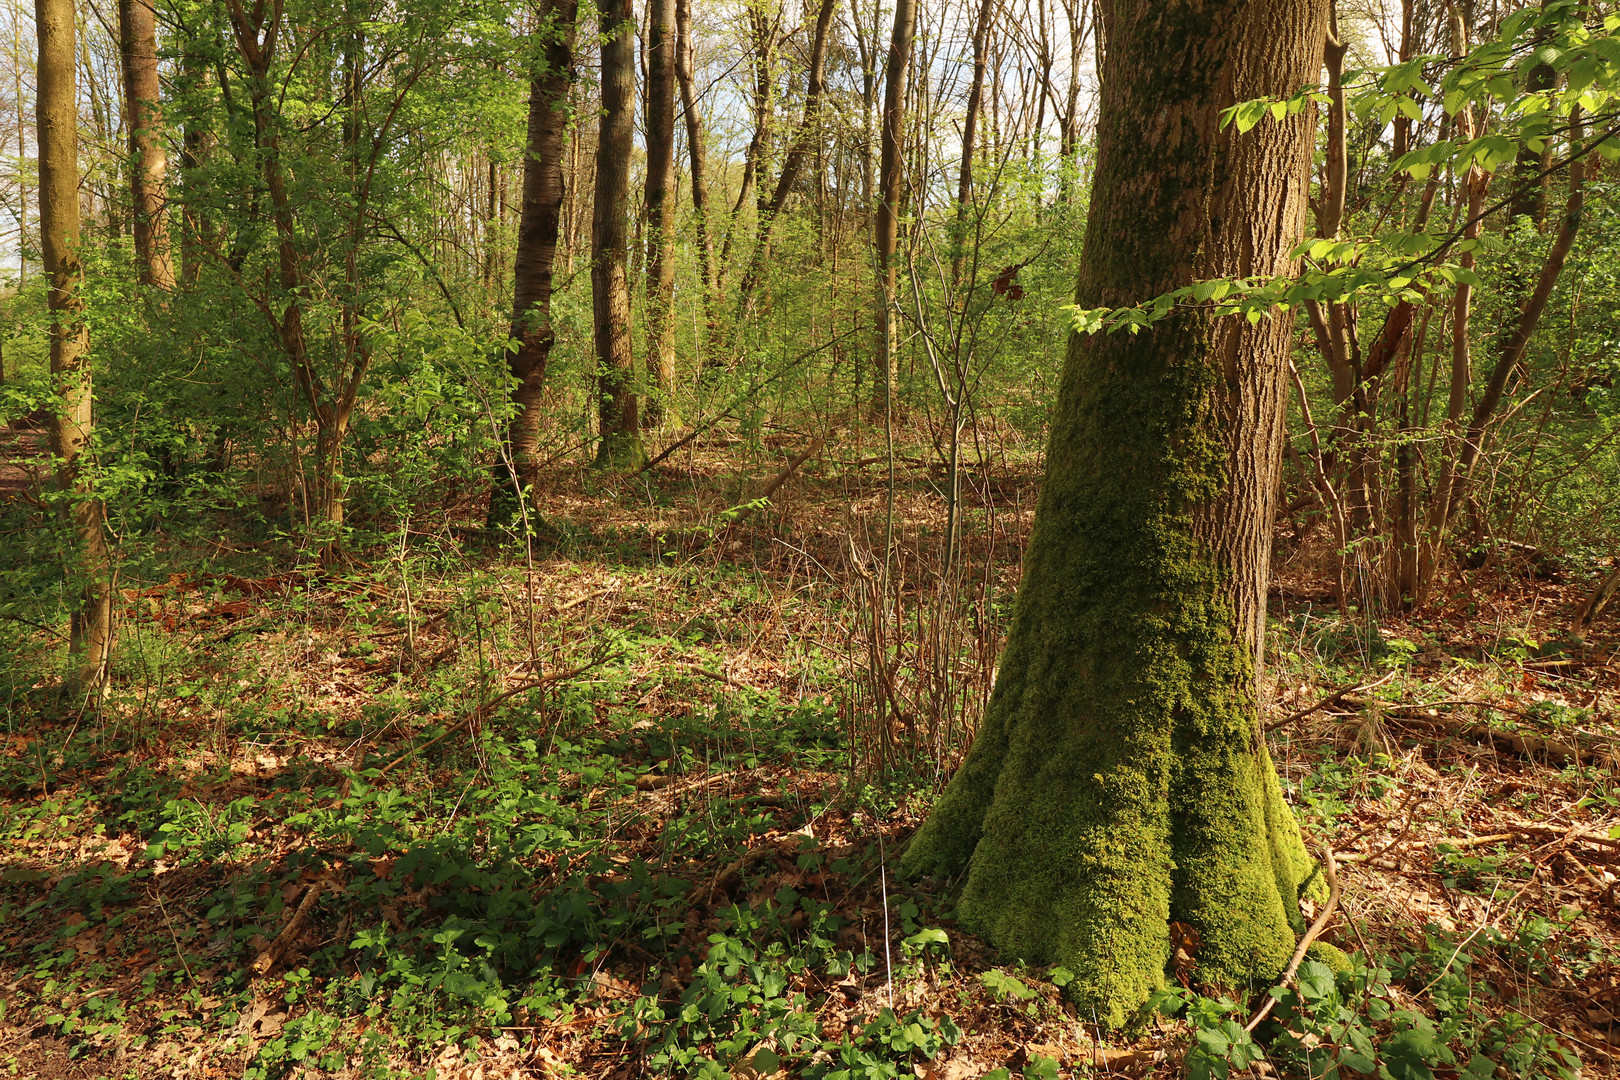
(659, 206)
(793, 167)
(756, 161)
(885, 226)
(618, 418)
(534, 263)
(57, 121)
(194, 148)
(22, 144)
(1465, 453)
(685, 51)
(149, 163)
(970, 134)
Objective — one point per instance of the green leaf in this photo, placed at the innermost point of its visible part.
(1316, 980)
(1408, 1054)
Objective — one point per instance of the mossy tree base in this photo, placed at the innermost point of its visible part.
(1120, 781)
(620, 452)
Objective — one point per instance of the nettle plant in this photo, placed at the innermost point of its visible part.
(1451, 263)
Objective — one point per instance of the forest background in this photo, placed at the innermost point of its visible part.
(557, 487)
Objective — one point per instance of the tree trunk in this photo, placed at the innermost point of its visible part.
(686, 76)
(757, 159)
(22, 144)
(1120, 780)
(196, 142)
(793, 167)
(257, 34)
(620, 428)
(57, 121)
(1464, 450)
(885, 226)
(970, 133)
(659, 204)
(149, 163)
(534, 263)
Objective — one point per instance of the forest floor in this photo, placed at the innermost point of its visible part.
(622, 809)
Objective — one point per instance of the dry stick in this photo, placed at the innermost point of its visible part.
(294, 926)
(484, 709)
(739, 399)
(1341, 692)
(1332, 870)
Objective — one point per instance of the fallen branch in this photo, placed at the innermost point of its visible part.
(1525, 744)
(1332, 699)
(1332, 870)
(273, 952)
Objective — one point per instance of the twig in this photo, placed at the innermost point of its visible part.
(178, 950)
(294, 926)
(1348, 688)
(1332, 870)
(484, 709)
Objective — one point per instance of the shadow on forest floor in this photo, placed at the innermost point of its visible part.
(615, 812)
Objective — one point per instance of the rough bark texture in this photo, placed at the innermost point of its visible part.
(620, 429)
(57, 117)
(660, 208)
(684, 64)
(137, 30)
(539, 221)
(1120, 780)
(885, 224)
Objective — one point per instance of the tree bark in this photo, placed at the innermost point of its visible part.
(57, 138)
(885, 225)
(793, 167)
(696, 151)
(1120, 780)
(970, 134)
(659, 205)
(149, 162)
(617, 414)
(534, 263)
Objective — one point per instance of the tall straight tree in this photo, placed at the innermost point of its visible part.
(970, 136)
(617, 416)
(685, 52)
(539, 221)
(659, 204)
(57, 136)
(809, 134)
(149, 162)
(886, 223)
(1120, 779)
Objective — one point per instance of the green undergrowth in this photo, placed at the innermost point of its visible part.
(703, 885)
(1428, 1014)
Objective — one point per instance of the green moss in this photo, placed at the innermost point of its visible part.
(1331, 955)
(1118, 783)
(620, 452)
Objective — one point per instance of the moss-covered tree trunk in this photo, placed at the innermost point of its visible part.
(534, 264)
(1120, 780)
